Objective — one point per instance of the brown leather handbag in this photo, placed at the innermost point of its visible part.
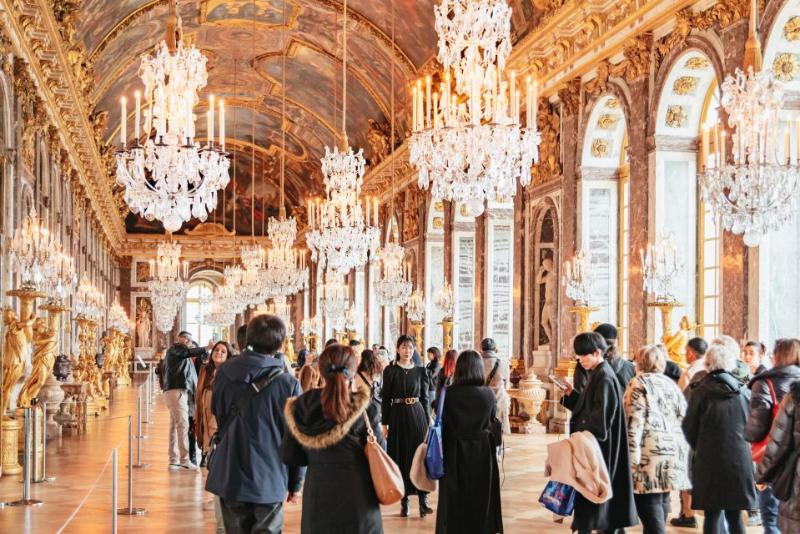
(386, 477)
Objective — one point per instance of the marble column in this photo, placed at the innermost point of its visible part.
(641, 156)
(521, 256)
(481, 296)
(570, 135)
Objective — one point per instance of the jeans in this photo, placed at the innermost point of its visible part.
(250, 518)
(177, 404)
(653, 509)
(768, 505)
(714, 524)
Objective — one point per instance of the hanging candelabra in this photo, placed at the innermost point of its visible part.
(468, 141)
(168, 284)
(445, 303)
(342, 234)
(171, 177)
(755, 190)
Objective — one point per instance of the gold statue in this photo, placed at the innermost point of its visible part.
(15, 344)
(109, 351)
(44, 356)
(676, 343)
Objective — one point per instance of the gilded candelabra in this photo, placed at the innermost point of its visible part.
(87, 370)
(579, 281)
(674, 343)
(45, 345)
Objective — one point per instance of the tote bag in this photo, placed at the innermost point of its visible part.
(386, 477)
(434, 455)
(558, 498)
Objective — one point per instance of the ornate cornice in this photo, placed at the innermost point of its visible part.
(193, 247)
(33, 29)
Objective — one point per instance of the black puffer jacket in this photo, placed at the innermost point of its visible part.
(623, 369)
(783, 439)
(760, 419)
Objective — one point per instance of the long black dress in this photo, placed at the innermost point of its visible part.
(598, 409)
(469, 493)
(408, 423)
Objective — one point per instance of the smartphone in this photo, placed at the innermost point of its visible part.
(560, 383)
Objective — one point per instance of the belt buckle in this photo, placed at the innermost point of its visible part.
(410, 400)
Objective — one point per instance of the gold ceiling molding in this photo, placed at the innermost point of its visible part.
(612, 103)
(685, 85)
(785, 67)
(193, 247)
(791, 30)
(209, 229)
(61, 73)
(549, 125)
(291, 22)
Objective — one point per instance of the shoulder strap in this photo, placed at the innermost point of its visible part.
(493, 372)
(255, 388)
(440, 405)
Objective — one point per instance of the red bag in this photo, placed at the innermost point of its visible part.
(758, 448)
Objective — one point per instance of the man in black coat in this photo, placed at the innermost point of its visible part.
(246, 470)
(623, 369)
(179, 383)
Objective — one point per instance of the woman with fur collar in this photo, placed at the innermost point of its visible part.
(327, 433)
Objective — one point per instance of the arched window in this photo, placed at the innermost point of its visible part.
(779, 251)
(687, 102)
(434, 272)
(198, 299)
(500, 274)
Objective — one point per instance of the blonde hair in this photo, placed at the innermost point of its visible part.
(786, 352)
(651, 359)
(719, 357)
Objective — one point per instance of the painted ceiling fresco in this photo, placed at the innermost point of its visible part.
(242, 40)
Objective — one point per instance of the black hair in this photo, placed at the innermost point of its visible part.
(184, 333)
(401, 340)
(698, 344)
(331, 341)
(469, 369)
(241, 337)
(437, 354)
(757, 344)
(488, 344)
(354, 343)
(265, 334)
(589, 343)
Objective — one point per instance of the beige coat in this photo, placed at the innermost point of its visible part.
(499, 385)
(578, 462)
(205, 424)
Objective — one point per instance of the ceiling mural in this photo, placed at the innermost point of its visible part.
(242, 40)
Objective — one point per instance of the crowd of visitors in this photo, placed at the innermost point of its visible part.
(721, 433)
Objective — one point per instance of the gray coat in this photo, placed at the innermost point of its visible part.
(784, 438)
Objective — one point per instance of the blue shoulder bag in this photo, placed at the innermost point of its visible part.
(434, 456)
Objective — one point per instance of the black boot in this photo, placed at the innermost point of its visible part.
(424, 509)
(404, 507)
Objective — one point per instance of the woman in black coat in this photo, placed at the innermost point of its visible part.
(327, 432)
(598, 409)
(469, 492)
(405, 409)
(722, 469)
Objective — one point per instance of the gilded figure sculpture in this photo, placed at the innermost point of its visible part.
(15, 346)
(45, 332)
(675, 343)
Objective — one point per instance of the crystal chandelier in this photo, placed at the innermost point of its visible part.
(168, 284)
(445, 302)
(395, 287)
(662, 267)
(335, 298)
(755, 193)
(250, 286)
(89, 302)
(473, 33)
(579, 278)
(230, 292)
(59, 277)
(172, 178)
(118, 319)
(468, 142)
(341, 233)
(350, 319)
(286, 271)
(415, 308)
(309, 326)
(31, 251)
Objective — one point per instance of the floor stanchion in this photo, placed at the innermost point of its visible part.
(114, 491)
(130, 510)
(44, 477)
(26, 466)
(139, 435)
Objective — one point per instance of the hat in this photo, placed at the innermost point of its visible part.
(608, 331)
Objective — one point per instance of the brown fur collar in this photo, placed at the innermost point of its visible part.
(333, 436)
